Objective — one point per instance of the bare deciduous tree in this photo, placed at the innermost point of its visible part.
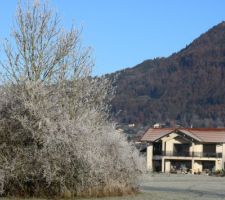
(55, 137)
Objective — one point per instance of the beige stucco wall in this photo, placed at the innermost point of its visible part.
(218, 164)
(223, 156)
(150, 157)
(219, 148)
(170, 141)
(168, 144)
(197, 167)
(167, 165)
(191, 149)
(198, 148)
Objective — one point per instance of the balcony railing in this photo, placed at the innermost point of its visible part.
(192, 154)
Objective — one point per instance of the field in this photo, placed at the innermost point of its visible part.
(178, 187)
(175, 187)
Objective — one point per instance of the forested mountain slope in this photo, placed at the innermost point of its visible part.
(187, 87)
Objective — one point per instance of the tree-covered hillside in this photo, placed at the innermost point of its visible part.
(188, 87)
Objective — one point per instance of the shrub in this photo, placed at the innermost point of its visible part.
(56, 136)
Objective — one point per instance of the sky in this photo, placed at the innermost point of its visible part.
(124, 33)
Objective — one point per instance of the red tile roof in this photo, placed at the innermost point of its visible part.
(215, 135)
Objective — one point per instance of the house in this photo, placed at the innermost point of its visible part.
(193, 150)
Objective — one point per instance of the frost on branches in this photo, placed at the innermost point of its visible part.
(55, 136)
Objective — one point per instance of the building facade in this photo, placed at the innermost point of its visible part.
(185, 150)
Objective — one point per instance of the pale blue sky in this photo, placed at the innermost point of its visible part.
(124, 33)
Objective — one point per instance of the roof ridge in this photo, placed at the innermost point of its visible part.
(201, 134)
(200, 139)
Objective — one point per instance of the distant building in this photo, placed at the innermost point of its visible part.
(185, 149)
(158, 125)
(131, 125)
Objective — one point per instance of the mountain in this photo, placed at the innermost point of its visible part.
(187, 87)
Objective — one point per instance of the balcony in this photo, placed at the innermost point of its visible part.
(192, 154)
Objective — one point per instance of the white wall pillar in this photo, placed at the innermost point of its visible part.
(163, 164)
(163, 148)
(218, 164)
(163, 160)
(150, 157)
(197, 166)
(199, 149)
(192, 166)
(192, 148)
(223, 156)
(167, 166)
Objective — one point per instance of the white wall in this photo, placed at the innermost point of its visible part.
(150, 157)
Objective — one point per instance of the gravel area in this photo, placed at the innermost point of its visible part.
(184, 186)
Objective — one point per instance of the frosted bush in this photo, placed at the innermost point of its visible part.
(56, 139)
